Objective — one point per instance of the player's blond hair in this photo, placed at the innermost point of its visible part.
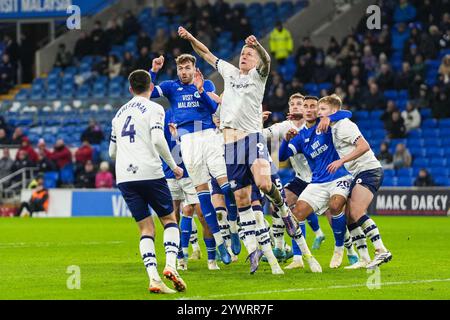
(334, 101)
(185, 57)
(296, 96)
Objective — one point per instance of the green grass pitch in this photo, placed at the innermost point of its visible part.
(35, 255)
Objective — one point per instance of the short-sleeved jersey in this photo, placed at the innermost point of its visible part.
(174, 147)
(242, 98)
(136, 157)
(319, 151)
(345, 135)
(191, 111)
(298, 161)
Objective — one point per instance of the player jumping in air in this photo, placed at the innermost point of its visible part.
(137, 143)
(246, 152)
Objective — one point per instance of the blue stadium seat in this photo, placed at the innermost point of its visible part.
(432, 142)
(51, 179)
(415, 142)
(442, 181)
(389, 181)
(431, 133)
(426, 113)
(417, 152)
(405, 181)
(391, 94)
(405, 172)
(435, 152)
(438, 162)
(439, 171)
(421, 162)
(362, 115)
(429, 123)
(415, 134)
(444, 123)
(389, 173)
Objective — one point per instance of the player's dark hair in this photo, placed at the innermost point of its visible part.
(140, 81)
(311, 98)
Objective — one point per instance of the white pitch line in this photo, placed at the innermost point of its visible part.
(55, 244)
(396, 283)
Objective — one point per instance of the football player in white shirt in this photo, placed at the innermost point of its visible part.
(137, 143)
(295, 187)
(246, 151)
(360, 161)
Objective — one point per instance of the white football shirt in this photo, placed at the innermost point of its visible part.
(136, 156)
(242, 97)
(298, 161)
(345, 134)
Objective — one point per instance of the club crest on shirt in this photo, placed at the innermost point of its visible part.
(197, 95)
(133, 169)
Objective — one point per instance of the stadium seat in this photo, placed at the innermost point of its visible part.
(405, 172)
(438, 162)
(429, 123)
(405, 181)
(421, 162)
(389, 173)
(442, 181)
(67, 174)
(51, 179)
(389, 181)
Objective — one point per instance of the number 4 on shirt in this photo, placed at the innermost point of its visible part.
(131, 133)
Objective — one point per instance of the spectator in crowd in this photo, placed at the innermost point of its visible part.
(373, 99)
(38, 202)
(45, 164)
(280, 43)
(144, 60)
(278, 102)
(22, 161)
(93, 133)
(396, 126)
(4, 125)
(63, 57)
(405, 78)
(104, 178)
(26, 58)
(441, 106)
(99, 40)
(86, 177)
(28, 149)
(159, 43)
(369, 60)
(444, 70)
(404, 12)
(144, 40)
(424, 179)
(385, 79)
(7, 76)
(114, 32)
(18, 135)
(353, 100)
(306, 50)
(83, 155)
(128, 64)
(6, 164)
(61, 154)
(385, 157)
(4, 139)
(114, 66)
(83, 46)
(42, 147)
(402, 157)
(411, 117)
(130, 24)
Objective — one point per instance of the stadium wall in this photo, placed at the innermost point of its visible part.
(109, 203)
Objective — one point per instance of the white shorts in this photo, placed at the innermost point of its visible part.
(318, 195)
(203, 156)
(184, 190)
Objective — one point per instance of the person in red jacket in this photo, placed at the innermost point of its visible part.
(61, 154)
(83, 155)
(42, 146)
(28, 149)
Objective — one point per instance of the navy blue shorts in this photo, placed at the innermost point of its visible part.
(296, 186)
(215, 188)
(370, 179)
(240, 156)
(138, 195)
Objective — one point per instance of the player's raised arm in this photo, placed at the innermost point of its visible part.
(199, 81)
(198, 47)
(264, 65)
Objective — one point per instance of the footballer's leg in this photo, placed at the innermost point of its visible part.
(186, 229)
(208, 238)
(193, 240)
(313, 221)
(339, 227)
(218, 201)
(359, 202)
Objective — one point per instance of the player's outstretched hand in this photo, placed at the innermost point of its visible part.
(215, 97)
(266, 115)
(335, 165)
(324, 124)
(199, 80)
(178, 172)
(294, 116)
(184, 34)
(251, 41)
(291, 134)
(157, 63)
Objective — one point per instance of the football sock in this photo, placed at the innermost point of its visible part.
(248, 224)
(276, 198)
(171, 243)
(262, 235)
(223, 225)
(210, 216)
(339, 226)
(278, 231)
(348, 243)
(371, 231)
(231, 206)
(296, 251)
(210, 248)
(313, 222)
(359, 238)
(299, 238)
(194, 237)
(186, 229)
(147, 249)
